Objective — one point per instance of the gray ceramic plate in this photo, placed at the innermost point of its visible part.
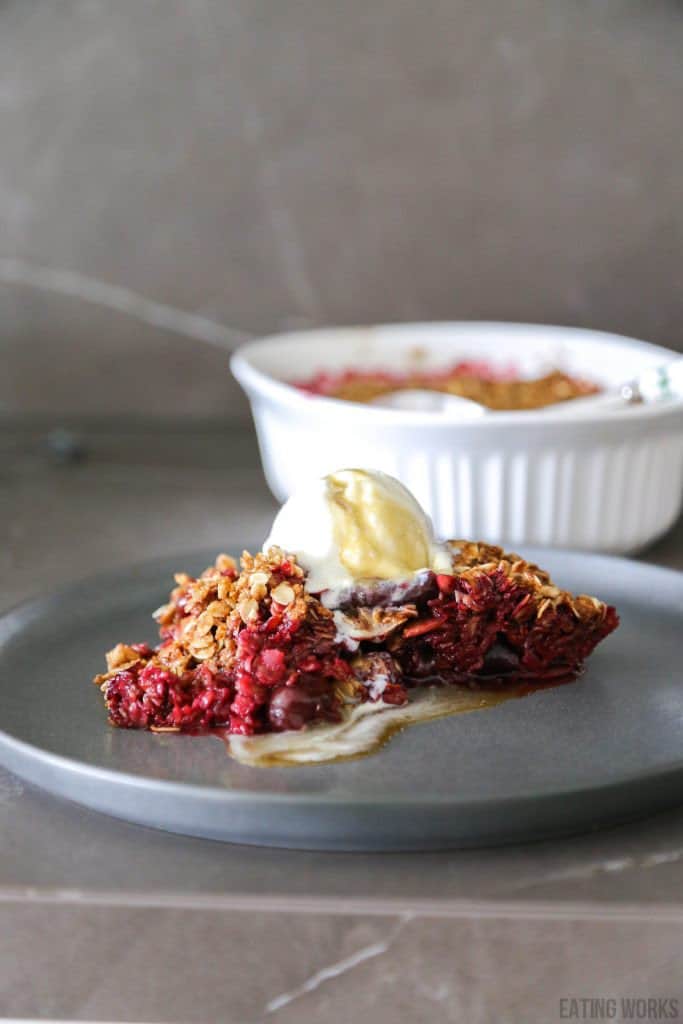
(599, 751)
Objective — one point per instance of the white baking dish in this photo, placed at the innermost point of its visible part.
(609, 481)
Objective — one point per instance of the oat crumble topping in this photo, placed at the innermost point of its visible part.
(247, 649)
(496, 389)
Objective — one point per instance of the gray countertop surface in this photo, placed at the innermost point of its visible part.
(145, 494)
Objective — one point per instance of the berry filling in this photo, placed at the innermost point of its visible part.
(252, 651)
(494, 387)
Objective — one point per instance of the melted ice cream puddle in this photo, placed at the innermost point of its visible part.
(366, 728)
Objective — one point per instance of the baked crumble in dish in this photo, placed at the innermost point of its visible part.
(497, 389)
(249, 650)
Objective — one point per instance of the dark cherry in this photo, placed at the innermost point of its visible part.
(386, 593)
(499, 659)
(292, 706)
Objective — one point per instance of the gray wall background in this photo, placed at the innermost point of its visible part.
(273, 163)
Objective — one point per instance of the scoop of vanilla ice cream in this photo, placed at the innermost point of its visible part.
(356, 524)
